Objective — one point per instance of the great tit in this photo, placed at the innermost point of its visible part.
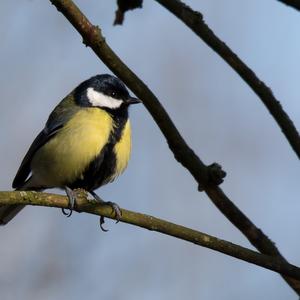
(85, 144)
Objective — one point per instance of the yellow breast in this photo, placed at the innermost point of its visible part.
(122, 150)
(65, 157)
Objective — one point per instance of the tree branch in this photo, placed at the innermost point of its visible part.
(194, 20)
(293, 3)
(93, 38)
(153, 224)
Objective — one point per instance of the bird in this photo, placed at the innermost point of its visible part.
(85, 144)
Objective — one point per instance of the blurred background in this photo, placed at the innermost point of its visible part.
(44, 255)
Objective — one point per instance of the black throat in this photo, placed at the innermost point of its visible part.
(120, 117)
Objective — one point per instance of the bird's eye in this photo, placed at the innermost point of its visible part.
(113, 94)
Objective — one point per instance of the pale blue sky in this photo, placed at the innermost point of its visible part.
(44, 255)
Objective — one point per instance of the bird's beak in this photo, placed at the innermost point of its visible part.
(133, 100)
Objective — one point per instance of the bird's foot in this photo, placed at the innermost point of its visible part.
(115, 207)
(72, 199)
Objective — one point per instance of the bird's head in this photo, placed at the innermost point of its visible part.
(104, 91)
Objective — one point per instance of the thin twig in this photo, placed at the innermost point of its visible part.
(194, 20)
(153, 224)
(293, 3)
(93, 38)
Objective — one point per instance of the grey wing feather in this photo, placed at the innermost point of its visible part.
(24, 169)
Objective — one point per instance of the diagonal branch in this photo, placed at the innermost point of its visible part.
(293, 3)
(153, 224)
(194, 20)
(93, 38)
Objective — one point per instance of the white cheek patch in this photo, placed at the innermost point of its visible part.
(101, 100)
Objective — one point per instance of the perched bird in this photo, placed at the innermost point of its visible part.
(86, 143)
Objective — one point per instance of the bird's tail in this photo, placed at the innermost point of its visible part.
(8, 212)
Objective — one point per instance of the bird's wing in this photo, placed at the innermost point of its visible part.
(59, 116)
(24, 169)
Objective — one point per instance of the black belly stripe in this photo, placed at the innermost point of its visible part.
(103, 167)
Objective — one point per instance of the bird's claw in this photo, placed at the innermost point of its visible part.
(67, 213)
(72, 198)
(102, 221)
(115, 207)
